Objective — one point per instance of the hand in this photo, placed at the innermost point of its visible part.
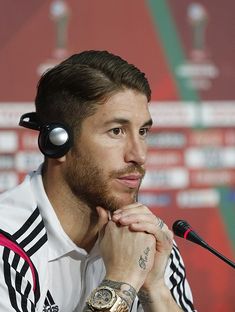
(128, 255)
(139, 218)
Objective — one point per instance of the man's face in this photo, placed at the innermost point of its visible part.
(106, 165)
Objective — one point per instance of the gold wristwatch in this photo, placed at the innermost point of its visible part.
(106, 299)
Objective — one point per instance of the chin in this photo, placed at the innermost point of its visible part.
(126, 199)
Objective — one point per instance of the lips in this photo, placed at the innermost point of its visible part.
(131, 181)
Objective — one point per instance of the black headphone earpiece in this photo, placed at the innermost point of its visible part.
(54, 140)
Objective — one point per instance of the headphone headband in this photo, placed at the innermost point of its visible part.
(30, 121)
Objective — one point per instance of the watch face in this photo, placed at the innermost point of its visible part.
(103, 298)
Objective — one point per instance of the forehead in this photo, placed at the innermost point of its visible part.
(128, 104)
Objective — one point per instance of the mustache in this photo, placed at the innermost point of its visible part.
(131, 169)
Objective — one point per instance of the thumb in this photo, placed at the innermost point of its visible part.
(103, 218)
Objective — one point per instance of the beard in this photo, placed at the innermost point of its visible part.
(90, 185)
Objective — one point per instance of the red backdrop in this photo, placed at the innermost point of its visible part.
(187, 52)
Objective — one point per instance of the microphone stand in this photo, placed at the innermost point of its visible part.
(218, 254)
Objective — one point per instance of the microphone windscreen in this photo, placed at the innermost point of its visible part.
(180, 227)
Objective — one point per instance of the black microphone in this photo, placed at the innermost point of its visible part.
(181, 228)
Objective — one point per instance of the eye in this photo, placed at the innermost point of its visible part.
(144, 131)
(116, 131)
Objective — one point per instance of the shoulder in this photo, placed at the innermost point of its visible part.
(23, 240)
(20, 217)
(16, 206)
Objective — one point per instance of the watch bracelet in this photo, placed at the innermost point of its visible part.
(122, 307)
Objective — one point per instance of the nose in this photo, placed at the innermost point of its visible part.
(136, 151)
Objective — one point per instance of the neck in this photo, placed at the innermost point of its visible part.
(77, 219)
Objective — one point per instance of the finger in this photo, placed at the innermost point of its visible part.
(163, 235)
(137, 210)
(148, 227)
(128, 219)
(131, 207)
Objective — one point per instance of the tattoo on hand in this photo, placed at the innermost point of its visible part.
(144, 298)
(144, 259)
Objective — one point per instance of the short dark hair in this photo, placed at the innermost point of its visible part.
(70, 91)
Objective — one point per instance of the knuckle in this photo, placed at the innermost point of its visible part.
(145, 209)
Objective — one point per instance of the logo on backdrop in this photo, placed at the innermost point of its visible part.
(59, 14)
(199, 70)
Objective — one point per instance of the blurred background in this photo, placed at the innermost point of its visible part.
(186, 48)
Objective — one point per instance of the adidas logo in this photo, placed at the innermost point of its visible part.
(54, 308)
(49, 304)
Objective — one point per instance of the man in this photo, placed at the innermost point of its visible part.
(73, 235)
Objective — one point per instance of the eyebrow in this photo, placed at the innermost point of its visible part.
(124, 121)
